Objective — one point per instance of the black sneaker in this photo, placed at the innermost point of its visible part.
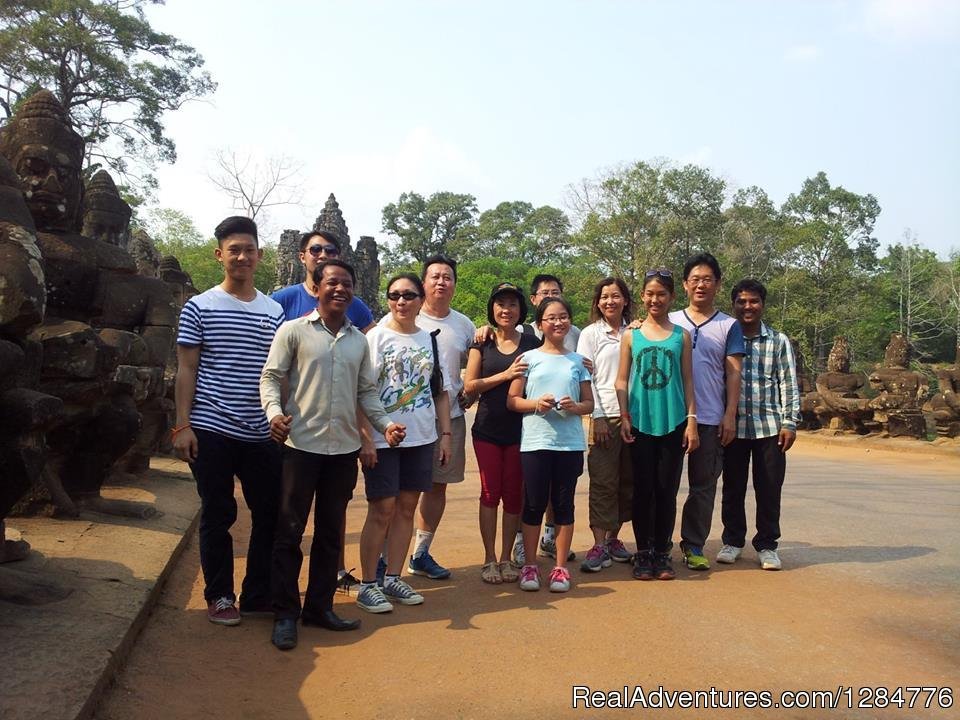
(346, 580)
(663, 567)
(643, 565)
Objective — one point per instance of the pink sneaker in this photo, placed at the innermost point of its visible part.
(223, 612)
(559, 579)
(530, 578)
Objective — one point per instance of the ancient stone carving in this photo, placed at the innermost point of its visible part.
(900, 393)
(108, 331)
(106, 216)
(838, 403)
(945, 405)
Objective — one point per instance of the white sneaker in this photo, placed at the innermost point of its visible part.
(729, 554)
(518, 557)
(769, 560)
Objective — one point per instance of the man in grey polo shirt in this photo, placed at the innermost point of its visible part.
(326, 362)
(717, 356)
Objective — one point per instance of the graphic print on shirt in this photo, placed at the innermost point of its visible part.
(655, 367)
(404, 374)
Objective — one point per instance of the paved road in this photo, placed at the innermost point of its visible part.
(868, 597)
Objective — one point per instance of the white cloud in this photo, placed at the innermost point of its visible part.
(912, 19)
(803, 53)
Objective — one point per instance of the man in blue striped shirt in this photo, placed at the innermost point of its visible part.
(767, 417)
(221, 429)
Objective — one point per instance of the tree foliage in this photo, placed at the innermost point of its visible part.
(534, 236)
(174, 233)
(113, 72)
(426, 226)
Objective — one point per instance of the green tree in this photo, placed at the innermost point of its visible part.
(535, 236)
(112, 71)
(174, 233)
(911, 274)
(646, 215)
(752, 236)
(831, 256)
(426, 226)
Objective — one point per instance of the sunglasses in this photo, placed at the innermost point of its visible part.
(662, 272)
(407, 295)
(330, 250)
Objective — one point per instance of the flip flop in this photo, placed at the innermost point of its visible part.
(490, 573)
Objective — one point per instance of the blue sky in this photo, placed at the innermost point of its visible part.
(517, 100)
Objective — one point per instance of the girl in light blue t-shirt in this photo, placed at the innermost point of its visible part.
(553, 394)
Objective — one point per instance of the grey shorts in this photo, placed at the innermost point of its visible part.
(397, 469)
(453, 471)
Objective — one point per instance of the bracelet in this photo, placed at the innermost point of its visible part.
(692, 415)
(174, 431)
(446, 433)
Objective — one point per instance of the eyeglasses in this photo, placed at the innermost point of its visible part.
(555, 292)
(331, 250)
(662, 272)
(407, 295)
(554, 319)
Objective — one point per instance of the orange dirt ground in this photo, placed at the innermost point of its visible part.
(868, 597)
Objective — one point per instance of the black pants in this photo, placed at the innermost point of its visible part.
(703, 470)
(769, 467)
(327, 483)
(657, 466)
(550, 477)
(257, 466)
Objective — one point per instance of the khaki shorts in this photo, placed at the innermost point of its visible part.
(453, 471)
(611, 480)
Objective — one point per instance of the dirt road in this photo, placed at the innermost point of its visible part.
(868, 598)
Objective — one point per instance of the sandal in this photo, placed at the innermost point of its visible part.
(508, 573)
(490, 573)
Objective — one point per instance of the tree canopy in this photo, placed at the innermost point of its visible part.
(114, 74)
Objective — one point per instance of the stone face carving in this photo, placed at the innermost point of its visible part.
(24, 412)
(108, 331)
(839, 404)
(106, 216)
(900, 393)
(365, 259)
(145, 254)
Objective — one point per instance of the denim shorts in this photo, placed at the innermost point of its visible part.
(400, 468)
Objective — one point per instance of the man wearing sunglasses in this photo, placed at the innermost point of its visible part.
(316, 246)
(718, 351)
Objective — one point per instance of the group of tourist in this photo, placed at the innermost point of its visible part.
(288, 394)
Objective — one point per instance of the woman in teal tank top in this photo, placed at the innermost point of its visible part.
(659, 421)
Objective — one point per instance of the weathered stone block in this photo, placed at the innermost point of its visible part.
(26, 410)
(70, 348)
(906, 425)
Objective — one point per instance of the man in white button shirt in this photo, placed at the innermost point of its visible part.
(326, 362)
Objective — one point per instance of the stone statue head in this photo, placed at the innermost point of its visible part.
(897, 354)
(105, 214)
(47, 155)
(839, 359)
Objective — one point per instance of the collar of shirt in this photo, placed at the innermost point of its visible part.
(764, 332)
(315, 316)
(608, 328)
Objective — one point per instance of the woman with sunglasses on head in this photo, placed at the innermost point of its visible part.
(552, 394)
(403, 359)
(298, 300)
(608, 459)
(491, 366)
(658, 420)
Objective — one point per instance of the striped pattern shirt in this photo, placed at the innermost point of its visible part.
(234, 338)
(769, 392)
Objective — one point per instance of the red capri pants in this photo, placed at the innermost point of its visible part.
(501, 477)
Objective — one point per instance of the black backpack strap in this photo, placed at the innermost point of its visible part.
(436, 377)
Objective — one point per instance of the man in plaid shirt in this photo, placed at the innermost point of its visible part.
(767, 418)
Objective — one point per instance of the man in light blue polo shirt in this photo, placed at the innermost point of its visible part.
(718, 351)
